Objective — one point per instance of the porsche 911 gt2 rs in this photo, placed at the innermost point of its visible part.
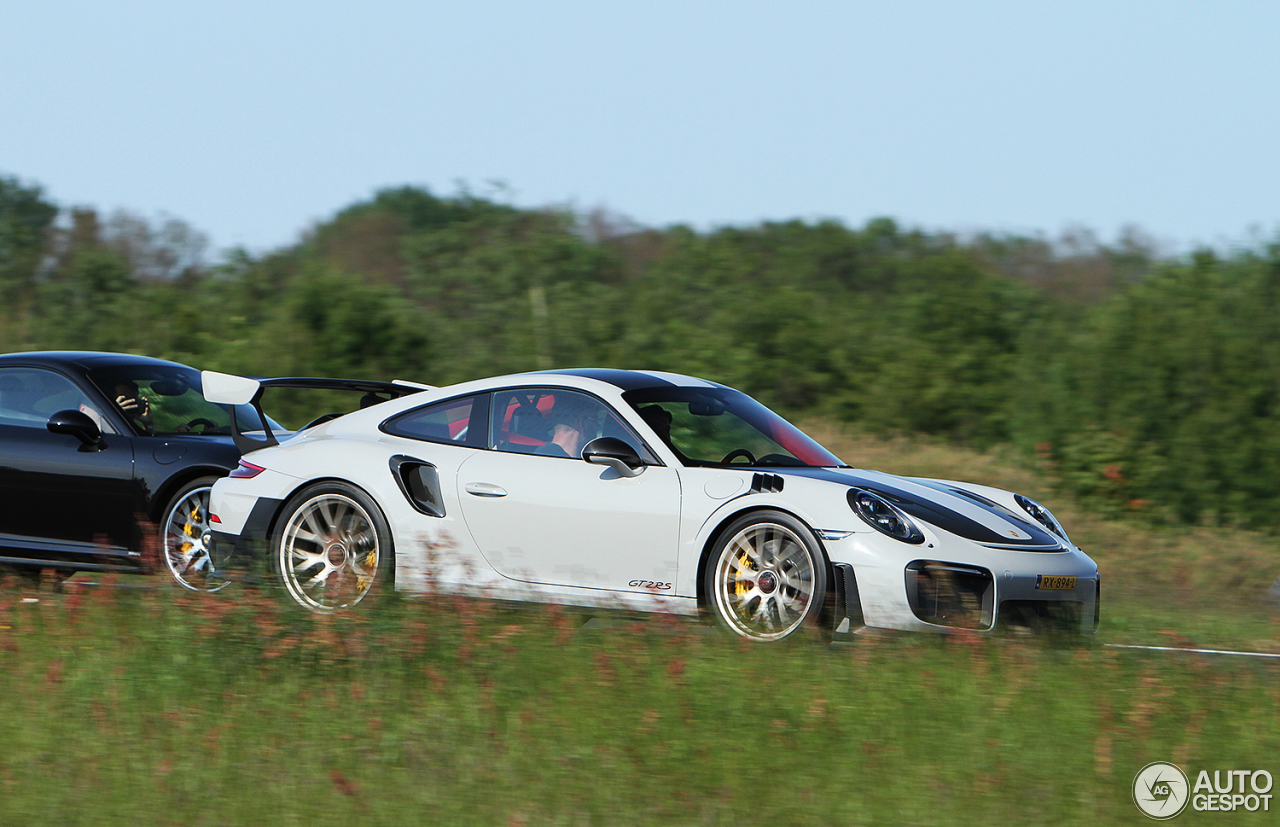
(636, 490)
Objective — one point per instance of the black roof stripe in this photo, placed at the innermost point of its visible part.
(627, 380)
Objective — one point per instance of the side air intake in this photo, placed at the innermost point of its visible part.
(950, 594)
(766, 483)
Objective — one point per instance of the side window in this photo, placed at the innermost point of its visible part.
(29, 396)
(554, 422)
(454, 422)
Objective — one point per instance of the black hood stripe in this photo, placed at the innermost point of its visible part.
(938, 514)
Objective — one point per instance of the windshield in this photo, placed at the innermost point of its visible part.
(163, 400)
(721, 427)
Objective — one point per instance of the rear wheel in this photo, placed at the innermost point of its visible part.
(186, 541)
(766, 577)
(332, 547)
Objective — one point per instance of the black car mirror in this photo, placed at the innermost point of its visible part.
(79, 425)
(707, 406)
(170, 386)
(613, 452)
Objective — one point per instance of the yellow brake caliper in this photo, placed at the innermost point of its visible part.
(742, 584)
(370, 564)
(189, 529)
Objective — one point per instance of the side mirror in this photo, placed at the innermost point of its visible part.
(80, 426)
(616, 454)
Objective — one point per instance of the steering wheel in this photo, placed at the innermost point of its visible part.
(206, 425)
(738, 452)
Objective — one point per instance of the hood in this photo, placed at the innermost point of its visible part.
(944, 505)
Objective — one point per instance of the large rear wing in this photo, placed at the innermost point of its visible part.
(231, 391)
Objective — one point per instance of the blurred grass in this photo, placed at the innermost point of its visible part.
(148, 705)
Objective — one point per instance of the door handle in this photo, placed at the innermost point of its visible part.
(484, 489)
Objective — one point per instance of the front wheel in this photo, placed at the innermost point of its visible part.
(766, 576)
(332, 547)
(185, 539)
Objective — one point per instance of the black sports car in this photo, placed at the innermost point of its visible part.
(96, 448)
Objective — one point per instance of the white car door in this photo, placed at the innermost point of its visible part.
(541, 514)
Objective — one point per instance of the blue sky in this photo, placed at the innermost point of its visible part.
(252, 121)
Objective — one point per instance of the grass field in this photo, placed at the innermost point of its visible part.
(140, 705)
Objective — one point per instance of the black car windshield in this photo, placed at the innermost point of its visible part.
(717, 427)
(166, 399)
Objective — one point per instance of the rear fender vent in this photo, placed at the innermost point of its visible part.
(766, 483)
(951, 594)
(419, 483)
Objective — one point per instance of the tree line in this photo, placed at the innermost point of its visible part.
(1147, 382)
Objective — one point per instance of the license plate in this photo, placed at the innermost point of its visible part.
(1055, 582)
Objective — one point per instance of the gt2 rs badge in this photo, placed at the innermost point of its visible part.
(649, 584)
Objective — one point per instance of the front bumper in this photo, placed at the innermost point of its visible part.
(961, 588)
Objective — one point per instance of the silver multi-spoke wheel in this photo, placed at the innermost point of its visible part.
(188, 546)
(766, 580)
(328, 552)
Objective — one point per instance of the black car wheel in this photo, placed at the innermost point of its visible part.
(332, 547)
(766, 577)
(186, 541)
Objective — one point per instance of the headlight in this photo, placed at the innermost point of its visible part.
(884, 517)
(1041, 515)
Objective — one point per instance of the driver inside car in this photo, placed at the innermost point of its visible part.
(659, 419)
(134, 405)
(570, 421)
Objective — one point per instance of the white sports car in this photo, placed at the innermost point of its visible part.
(636, 490)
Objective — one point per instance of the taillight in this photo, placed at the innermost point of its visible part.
(246, 470)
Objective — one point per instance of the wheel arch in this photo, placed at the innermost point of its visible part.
(284, 502)
(704, 555)
(160, 501)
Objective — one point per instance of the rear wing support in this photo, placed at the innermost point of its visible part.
(231, 391)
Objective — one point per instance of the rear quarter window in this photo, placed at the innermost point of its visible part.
(461, 421)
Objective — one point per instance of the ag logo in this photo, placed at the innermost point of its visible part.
(1161, 790)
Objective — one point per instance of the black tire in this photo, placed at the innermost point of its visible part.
(332, 548)
(185, 540)
(766, 576)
